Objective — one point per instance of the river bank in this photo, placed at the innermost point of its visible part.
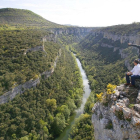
(80, 110)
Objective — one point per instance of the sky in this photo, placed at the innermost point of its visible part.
(87, 13)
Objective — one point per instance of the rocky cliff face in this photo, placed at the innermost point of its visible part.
(77, 31)
(134, 39)
(10, 95)
(117, 120)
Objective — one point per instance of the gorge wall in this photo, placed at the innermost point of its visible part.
(72, 30)
(116, 120)
(118, 39)
(134, 39)
(10, 95)
(80, 32)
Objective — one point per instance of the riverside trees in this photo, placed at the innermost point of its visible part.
(45, 110)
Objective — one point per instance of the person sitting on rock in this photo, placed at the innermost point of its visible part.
(134, 74)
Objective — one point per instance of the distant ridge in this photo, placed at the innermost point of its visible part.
(16, 17)
(71, 25)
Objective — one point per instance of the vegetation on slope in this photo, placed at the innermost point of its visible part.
(102, 65)
(124, 29)
(83, 128)
(17, 67)
(18, 18)
(44, 112)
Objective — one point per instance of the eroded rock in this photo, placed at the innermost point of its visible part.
(117, 121)
(137, 107)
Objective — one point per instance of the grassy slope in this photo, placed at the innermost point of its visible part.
(20, 17)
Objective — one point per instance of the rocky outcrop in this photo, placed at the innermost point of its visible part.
(117, 121)
(49, 37)
(134, 39)
(77, 31)
(10, 95)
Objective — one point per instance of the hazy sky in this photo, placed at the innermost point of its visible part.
(81, 12)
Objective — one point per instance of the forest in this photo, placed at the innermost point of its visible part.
(44, 112)
(17, 67)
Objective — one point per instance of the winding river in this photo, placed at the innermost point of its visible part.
(79, 111)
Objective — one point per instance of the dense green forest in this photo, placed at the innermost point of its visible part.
(18, 67)
(44, 112)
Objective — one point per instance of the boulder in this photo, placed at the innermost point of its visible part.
(135, 121)
(119, 106)
(121, 87)
(126, 101)
(137, 107)
(117, 93)
(138, 98)
(127, 113)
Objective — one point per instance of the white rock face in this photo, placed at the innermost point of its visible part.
(117, 121)
(73, 30)
(134, 39)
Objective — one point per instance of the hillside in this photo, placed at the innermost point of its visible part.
(33, 54)
(44, 110)
(124, 29)
(23, 18)
(106, 57)
(34, 62)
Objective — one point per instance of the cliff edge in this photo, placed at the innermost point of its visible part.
(117, 115)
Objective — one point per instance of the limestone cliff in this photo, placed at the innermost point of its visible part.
(75, 31)
(134, 39)
(121, 40)
(120, 118)
(10, 95)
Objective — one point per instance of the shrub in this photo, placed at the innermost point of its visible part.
(110, 89)
(99, 96)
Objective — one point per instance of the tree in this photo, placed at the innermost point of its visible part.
(59, 123)
(65, 110)
(51, 104)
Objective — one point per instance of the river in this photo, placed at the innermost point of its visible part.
(65, 134)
